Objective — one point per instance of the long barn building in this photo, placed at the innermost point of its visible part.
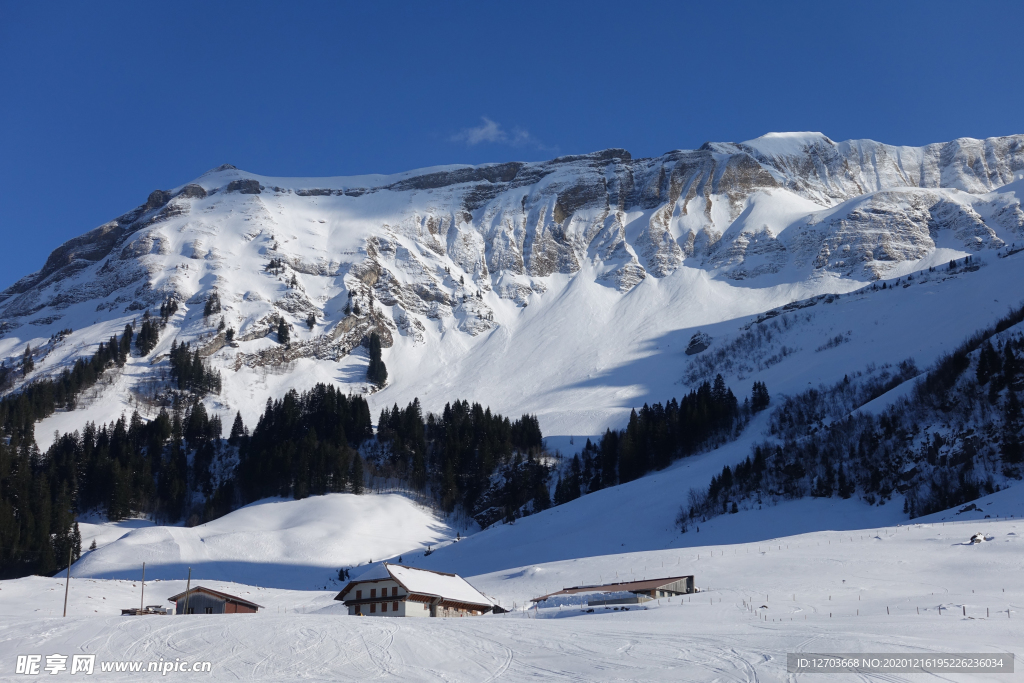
(629, 592)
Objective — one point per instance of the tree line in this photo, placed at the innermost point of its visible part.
(303, 444)
(177, 466)
(956, 437)
(467, 456)
(658, 435)
(124, 467)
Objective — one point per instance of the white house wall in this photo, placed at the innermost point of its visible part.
(413, 609)
(405, 609)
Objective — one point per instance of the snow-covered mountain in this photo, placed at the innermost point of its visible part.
(574, 289)
(568, 288)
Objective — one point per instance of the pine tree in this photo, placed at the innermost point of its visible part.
(376, 371)
(168, 308)
(147, 337)
(759, 398)
(311, 321)
(125, 345)
(283, 332)
(1011, 449)
(1011, 366)
(989, 363)
(541, 495)
(357, 474)
(845, 488)
(27, 363)
(237, 430)
(212, 305)
(76, 544)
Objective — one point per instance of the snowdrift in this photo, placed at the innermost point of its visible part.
(281, 543)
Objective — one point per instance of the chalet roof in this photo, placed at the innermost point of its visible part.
(216, 594)
(422, 582)
(629, 586)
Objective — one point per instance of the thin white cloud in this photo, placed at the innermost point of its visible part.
(488, 131)
(492, 132)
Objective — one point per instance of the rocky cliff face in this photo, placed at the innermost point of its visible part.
(445, 247)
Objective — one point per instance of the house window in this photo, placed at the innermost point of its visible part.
(394, 606)
(394, 591)
(359, 595)
(373, 607)
(373, 592)
(209, 610)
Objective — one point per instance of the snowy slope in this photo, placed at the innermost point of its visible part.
(279, 543)
(639, 516)
(592, 272)
(876, 590)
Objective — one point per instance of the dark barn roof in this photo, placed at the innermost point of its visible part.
(630, 586)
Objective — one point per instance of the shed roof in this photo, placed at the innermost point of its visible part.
(422, 582)
(216, 594)
(631, 586)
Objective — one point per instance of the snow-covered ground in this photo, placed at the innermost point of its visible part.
(279, 543)
(869, 590)
(823, 591)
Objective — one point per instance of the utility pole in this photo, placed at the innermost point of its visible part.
(67, 583)
(142, 600)
(188, 587)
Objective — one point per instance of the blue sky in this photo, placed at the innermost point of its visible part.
(101, 103)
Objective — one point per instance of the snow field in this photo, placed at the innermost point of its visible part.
(758, 602)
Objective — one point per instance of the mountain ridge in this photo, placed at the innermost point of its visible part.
(459, 266)
(984, 175)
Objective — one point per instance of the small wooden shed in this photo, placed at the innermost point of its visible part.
(202, 600)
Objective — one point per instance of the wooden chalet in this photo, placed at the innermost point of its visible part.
(203, 600)
(642, 591)
(392, 590)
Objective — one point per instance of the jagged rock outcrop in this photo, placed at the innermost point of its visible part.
(245, 186)
(431, 251)
(699, 342)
